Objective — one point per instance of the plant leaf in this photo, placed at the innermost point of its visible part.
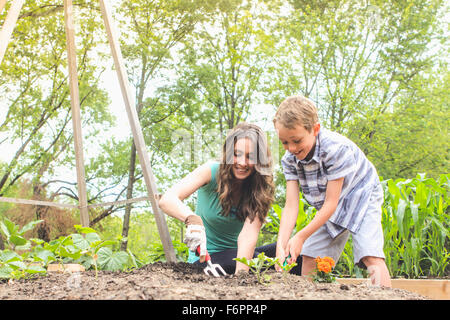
(29, 226)
(112, 261)
(17, 240)
(35, 269)
(81, 229)
(5, 272)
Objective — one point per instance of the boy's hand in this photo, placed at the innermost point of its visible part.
(294, 247)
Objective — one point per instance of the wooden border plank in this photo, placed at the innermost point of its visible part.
(67, 267)
(432, 288)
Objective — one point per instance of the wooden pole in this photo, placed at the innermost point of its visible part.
(2, 5)
(76, 114)
(137, 133)
(9, 24)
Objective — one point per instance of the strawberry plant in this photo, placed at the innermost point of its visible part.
(84, 247)
(12, 264)
(15, 237)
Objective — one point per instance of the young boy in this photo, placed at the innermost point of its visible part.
(340, 182)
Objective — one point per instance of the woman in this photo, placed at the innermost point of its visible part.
(233, 199)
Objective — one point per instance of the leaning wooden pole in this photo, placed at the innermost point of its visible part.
(9, 24)
(137, 133)
(2, 5)
(76, 114)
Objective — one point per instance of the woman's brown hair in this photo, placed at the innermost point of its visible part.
(257, 191)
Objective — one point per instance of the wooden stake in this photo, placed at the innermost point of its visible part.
(66, 205)
(76, 115)
(2, 5)
(9, 24)
(137, 133)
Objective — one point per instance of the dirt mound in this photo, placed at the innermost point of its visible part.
(183, 281)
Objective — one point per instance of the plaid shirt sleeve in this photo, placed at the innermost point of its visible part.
(289, 167)
(339, 163)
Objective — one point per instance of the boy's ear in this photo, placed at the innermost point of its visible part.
(316, 129)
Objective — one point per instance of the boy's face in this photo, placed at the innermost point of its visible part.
(297, 141)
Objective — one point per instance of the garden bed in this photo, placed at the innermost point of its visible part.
(182, 281)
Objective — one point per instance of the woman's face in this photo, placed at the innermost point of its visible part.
(244, 158)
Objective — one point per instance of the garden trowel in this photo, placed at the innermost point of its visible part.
(211, 268)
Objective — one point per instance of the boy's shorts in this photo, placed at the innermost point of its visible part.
(367, 242)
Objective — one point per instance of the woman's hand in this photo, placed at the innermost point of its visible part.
(195, 235)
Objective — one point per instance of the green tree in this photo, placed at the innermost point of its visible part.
(153, 30)
(362, 62)
(34, 89)
(414, 137)
(354, 58)
(225, 64)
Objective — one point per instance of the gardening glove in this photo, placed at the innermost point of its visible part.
(195, 235)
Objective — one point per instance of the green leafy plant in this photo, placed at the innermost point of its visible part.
(12, 264)
(84, 247)
(89, 243)
(305, 214)
(259, 266)
(15, 237)
(95, 251)
(416, 226)
(157, 251)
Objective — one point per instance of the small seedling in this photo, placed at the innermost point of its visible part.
(259, 266)
(286, 267)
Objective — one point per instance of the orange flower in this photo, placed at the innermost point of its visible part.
(324, 264)
(329, 260)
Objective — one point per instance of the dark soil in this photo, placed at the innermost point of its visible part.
(183, 281)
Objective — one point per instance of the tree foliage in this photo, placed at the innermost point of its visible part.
(378, 71)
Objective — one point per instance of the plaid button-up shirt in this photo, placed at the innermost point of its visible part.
(335, 156)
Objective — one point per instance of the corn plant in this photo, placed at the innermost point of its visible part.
(416, 226)
(415, 221)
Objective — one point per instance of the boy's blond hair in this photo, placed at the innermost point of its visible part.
(295, 111)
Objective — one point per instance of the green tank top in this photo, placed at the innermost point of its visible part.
(221, 232)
